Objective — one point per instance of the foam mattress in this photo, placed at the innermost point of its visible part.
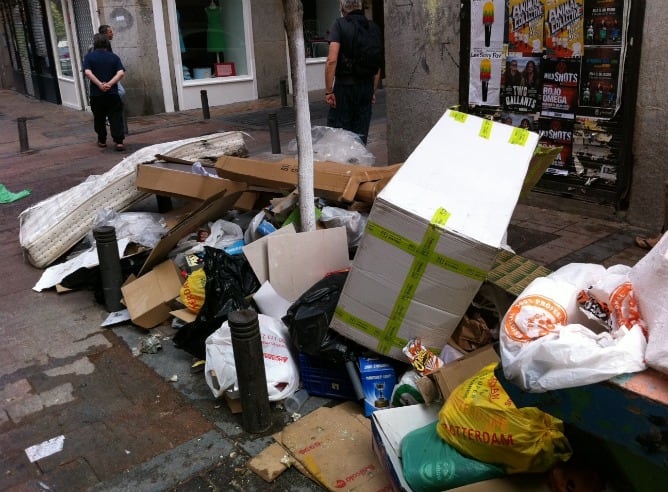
(53, 226)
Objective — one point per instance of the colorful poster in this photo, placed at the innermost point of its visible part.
(487, 23)
(485, 77)
(564, 28)
(558, 133)
(599, 96)
(520, 83)
(603, 22)
(525, 26)
(561, 78)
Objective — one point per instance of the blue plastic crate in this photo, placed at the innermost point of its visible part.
(324, 378)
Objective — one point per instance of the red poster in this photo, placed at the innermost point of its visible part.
(558, 133)
(561, 78)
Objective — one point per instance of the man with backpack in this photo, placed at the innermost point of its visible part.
(352, 70)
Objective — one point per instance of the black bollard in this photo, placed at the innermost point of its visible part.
(284, 93)
(205, 105)
(273, 132)
(23, 134)
(251, 376)
(110, 267)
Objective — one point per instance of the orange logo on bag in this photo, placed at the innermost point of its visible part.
(533, 317)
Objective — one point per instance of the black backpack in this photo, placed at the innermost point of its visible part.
(361, 47)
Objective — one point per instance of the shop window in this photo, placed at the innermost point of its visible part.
(319, 15)
(63, 47)
(212, 38)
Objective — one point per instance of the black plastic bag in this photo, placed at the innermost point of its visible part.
(229, 282)
(309, 316)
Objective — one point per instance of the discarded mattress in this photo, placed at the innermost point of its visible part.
(53, 226)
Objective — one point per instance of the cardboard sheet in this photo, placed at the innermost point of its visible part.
(334, 445)
(297, 261)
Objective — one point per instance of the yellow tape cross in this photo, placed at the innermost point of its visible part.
(424, 253)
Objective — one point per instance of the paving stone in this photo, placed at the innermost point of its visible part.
(27, 406)
(58, 396)
(80, 366)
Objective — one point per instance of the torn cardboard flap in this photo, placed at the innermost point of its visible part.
(441, 383)
(210, 210)
(178, 180)
(331, 180)
(292, 262)
(334, 445)
(148, 297)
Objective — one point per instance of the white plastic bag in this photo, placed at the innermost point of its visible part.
(548, 343)
(279, 364)
(650, 282)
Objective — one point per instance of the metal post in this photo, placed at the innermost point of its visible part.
(284, 93)
(251, 376)
(273, 132)
(205, 105)
(110, 267)
(23, 134)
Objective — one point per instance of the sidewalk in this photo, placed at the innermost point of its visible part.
(127, 423)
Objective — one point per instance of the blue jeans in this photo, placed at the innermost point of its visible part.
(353, 108)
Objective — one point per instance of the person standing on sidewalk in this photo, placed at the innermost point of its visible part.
(352, 70)
(107, 30)
(104, 70)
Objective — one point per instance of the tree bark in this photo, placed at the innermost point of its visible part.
(293, 13)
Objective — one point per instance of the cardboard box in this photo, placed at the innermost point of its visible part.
(433, 234)
(148, 297)
(388, 428)
(378, 380)
(439, 384)
(331, 180)
(177, 180)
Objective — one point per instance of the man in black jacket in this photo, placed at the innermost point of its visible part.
(350, 91)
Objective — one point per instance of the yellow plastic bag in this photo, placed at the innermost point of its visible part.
(192, 291)
(480, 421)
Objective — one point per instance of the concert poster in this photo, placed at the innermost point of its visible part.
(558, 133)
(525, 26)
(561, 78)
(603, 22)
(520, 83)
(564, 28)
(599, 94)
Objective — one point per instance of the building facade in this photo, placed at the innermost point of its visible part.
(236, 50)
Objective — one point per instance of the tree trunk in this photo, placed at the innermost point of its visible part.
(293, 13)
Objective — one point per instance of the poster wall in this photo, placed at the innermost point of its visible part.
(554, 67)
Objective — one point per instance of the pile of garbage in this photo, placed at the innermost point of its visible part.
(388, 303)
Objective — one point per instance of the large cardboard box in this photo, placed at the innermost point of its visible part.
(433, 234)
(177, 180)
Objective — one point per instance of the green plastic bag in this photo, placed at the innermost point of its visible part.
(432, 465)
